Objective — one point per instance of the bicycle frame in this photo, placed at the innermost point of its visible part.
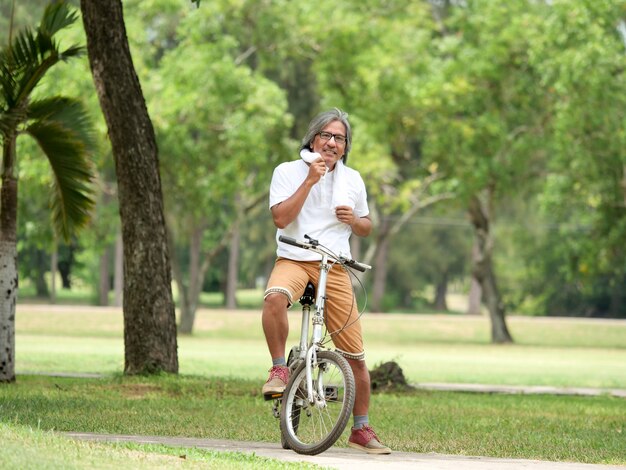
(308, 349)
(318, 399)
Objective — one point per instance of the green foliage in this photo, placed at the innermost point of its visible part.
(60, 125)
(584, 190)
(446, 98)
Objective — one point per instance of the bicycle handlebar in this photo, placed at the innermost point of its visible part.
(314, 245)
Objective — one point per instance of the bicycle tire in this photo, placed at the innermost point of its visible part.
(306, 428)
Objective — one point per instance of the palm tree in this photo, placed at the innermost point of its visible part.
(62, 130)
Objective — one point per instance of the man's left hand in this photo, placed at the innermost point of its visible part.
(345, 214)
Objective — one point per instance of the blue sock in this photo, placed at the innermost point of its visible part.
(360, 421)
(279, 361)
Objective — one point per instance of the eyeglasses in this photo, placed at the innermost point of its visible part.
(339, 139)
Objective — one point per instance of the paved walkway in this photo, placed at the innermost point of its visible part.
(522, 389)
(349, 459)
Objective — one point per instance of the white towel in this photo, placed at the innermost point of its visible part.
(340, 193)
(340, 196)
(309, 156)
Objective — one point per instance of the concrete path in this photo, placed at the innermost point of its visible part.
(522, 389)
(349, 459)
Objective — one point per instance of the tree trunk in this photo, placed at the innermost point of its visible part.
(189, 292)
(105, 281)
(233, 268)
(616, 304)
(118, 281)
(380, 261)
(41, 286)
(475, 293)
(149, 316)
(8, 261)
(185, 325)
(474, 298)
(65, 267)
(441, 291)
(54, 259)
(483, 269)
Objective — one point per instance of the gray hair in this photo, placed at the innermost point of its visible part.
(320, 121)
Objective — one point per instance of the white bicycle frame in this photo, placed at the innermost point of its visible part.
(308, 351)
(309, 354)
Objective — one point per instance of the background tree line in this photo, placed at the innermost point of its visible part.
(490, 135)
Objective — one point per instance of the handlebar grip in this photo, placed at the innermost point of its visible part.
(289, 241)
(358, 266)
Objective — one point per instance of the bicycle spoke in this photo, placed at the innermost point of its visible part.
(313, 428)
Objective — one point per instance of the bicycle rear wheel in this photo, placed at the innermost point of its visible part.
(311, 428)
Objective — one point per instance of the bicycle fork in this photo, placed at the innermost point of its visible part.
(311, 353)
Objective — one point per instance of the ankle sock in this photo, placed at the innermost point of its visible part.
(279, 361)
(360, 421)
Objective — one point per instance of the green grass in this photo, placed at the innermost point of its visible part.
(224, 363)
(25, 447)
(80, 295)
(429, 348)
(537, 427)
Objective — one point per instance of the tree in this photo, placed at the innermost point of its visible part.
(149, 317)
(388, 150)
(62, 131)
(585, 190)
(229, 132)
(487, 120)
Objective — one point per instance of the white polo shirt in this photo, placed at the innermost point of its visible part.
(317, 218)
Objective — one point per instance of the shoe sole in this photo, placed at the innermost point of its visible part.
(272, 395)
(369, 450)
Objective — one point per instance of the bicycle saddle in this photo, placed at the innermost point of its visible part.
(308, 298)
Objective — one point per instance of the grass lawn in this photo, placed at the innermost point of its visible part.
(429, 348)
(25, 447)
(583, 429)
(224, 363)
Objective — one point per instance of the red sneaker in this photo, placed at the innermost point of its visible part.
(365, 439)
(279, 376)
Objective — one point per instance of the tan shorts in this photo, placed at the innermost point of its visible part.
(342, 315)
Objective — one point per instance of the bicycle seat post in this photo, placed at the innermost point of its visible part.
(318, 316)
(307, 299)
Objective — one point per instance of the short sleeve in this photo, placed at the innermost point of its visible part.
(281, 187)
(361, 208)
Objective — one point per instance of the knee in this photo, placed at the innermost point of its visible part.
(359, 368)
(275, 303)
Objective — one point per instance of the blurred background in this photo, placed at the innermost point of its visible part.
(491, 136)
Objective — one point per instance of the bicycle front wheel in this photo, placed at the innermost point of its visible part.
(311, 428)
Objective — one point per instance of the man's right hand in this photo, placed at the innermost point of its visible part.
(317, 169)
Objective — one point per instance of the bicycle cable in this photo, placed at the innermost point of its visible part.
(337, 260)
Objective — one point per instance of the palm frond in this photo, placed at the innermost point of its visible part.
(67, 150)
(69, 113)
(72, 51)
(8, 88)
(24, 51)
(31, 54)
(57, 16)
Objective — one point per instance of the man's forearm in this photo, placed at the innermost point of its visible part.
(286, 212)
(362, 226)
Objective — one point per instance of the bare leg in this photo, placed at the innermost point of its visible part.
(275, 324)
(362, 382)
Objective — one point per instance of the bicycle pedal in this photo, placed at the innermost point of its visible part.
(273, 396)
